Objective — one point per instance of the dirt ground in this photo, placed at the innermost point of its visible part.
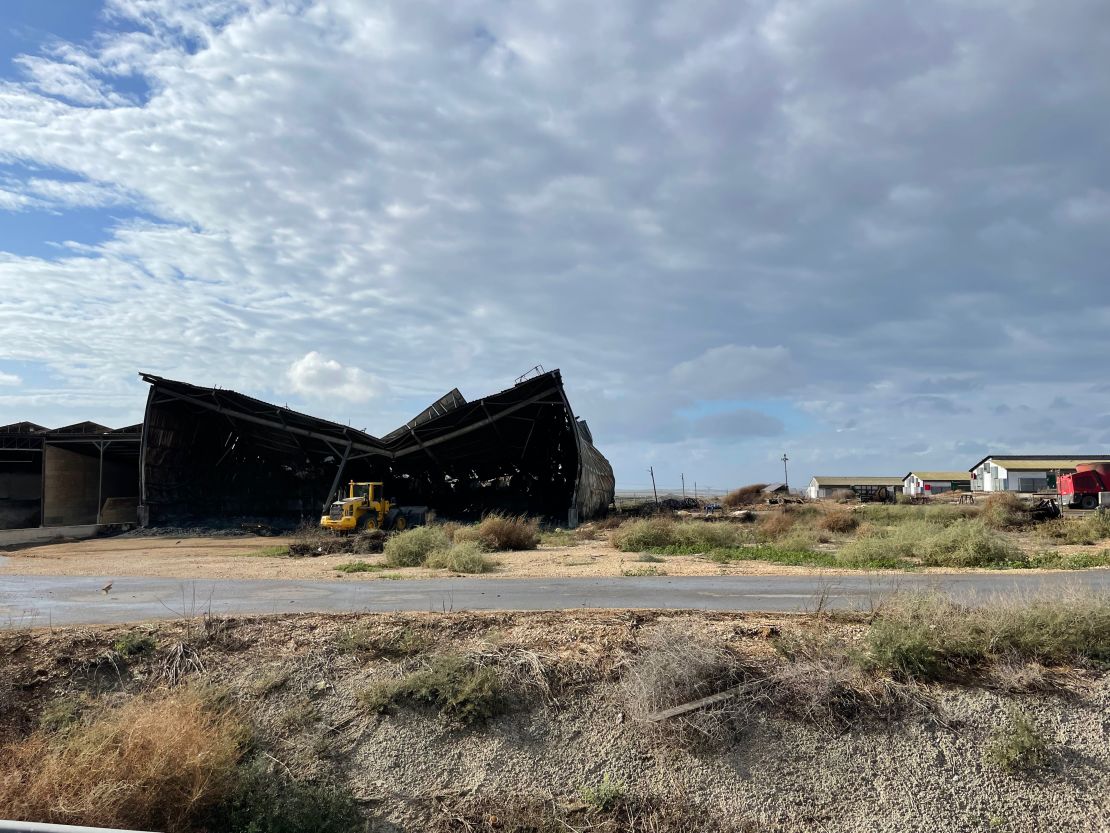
(252, 557)
(299, 678)
(245, 557)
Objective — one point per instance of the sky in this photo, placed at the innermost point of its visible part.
(870, 234)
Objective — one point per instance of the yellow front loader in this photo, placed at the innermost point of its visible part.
(363, 508)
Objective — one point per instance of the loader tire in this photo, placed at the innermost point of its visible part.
(1089, 501)
(400, 523)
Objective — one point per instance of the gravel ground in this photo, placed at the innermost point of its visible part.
(920, 773)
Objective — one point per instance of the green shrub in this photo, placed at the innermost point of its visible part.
(264, 801)
(501, 532)
(456, 688)
(644, 534)
(968, 543)
(467, 557)
(1017, 746)
(410, 547)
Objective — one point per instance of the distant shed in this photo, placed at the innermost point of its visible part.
(867, 488)
(935, 482)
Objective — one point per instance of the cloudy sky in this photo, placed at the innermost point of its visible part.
(873, 234)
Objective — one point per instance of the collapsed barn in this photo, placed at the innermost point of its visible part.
(210, 455)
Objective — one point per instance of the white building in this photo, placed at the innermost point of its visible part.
(935, 482)
(1024, 472)
(865, 487)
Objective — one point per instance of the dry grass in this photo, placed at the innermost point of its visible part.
(1004, 510)
(840, 521)
(677, 667)
(744, 496)
(313, 540)
(625, 811)
(502, 533)
(928, 636)
(153, 764)
(410, 547)
(775, 524)
(465, 557)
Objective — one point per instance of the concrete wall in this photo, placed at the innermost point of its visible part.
(42, 534)
(71, 484)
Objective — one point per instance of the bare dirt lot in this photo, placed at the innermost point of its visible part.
(251, 557)
(555, 738)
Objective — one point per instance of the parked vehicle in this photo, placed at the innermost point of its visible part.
(1081, 490)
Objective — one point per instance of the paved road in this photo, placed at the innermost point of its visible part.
(44, 600)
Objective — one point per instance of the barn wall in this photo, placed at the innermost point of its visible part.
(70, 487)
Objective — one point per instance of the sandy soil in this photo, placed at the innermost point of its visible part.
(246, 557)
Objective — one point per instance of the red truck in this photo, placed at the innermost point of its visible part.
(1080, 490)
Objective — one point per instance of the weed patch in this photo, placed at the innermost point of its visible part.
(266, 802)
(358, 567)
(455, 688)
(1017, 746)
(605, 795)
(642, 571)
(134, 645)
(403, 642)
(1088, 530)
(927, 636)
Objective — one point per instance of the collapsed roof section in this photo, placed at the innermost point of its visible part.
(210, 454)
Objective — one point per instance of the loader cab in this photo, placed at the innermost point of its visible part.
(369, 491)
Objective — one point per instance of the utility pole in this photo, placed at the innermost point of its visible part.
(683, 476)
(785, 473)
(695, 490)
(651, 471)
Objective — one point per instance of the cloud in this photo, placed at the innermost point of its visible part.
(9, 379)
(738, 424)
(733, 371)
(838, 206)
(318, 378)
